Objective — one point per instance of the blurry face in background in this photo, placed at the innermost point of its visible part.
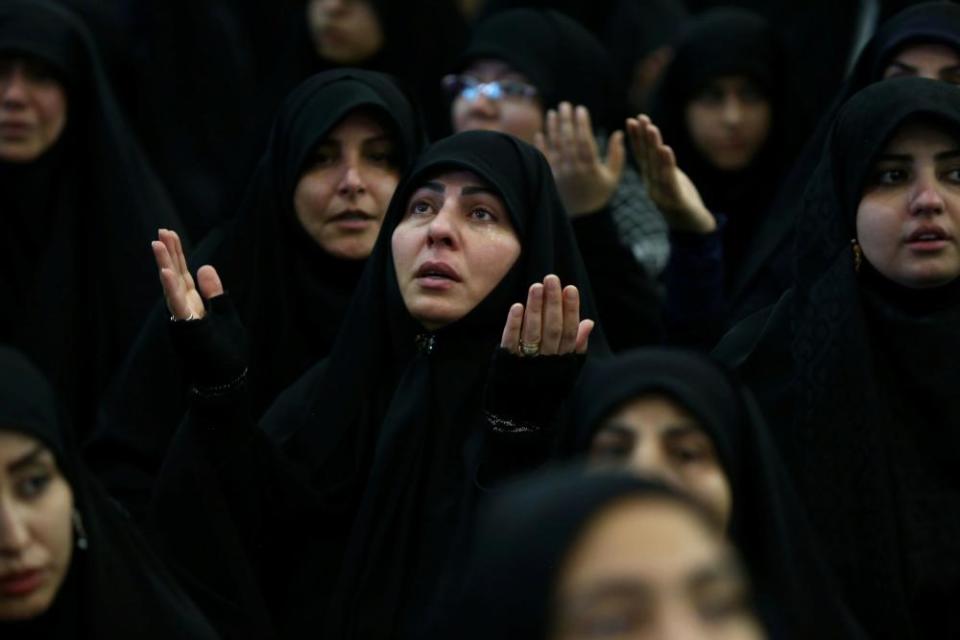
(519, 116)
(36, 534)
(933, 61)
(729, 121)
(908, 220)
(655, 437)
(348, 182)
(650, 568)
(346, 32)
(33, 109)
(454, 245)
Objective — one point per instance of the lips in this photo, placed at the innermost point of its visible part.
(352, 215)
(21, 583)
(929, 233)
(438, 270)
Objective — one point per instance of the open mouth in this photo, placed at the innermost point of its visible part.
(352, 215)
(438, 271)
(21, 583)
(928, 238)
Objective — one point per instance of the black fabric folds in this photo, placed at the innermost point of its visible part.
(723, 42)
(290, 294)
(768, 270)
(524, 537)
(856, 374)
(795, 592)
(72, 292)
(116, 587)
(392, 427)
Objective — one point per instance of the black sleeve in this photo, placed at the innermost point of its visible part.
(522, 405)
(627, 298)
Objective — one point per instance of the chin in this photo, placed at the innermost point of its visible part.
(433, 316)
(27, 609)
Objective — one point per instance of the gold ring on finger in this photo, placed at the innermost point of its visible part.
(529, 349)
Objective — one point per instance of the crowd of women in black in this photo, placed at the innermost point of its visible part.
(503, 319)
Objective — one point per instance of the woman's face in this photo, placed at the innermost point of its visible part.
(520, 116)
(343, 194)
(655, 437)
(933, 61)
(729, 121)
(346, 32)
(650, 568)
(908, 221)
(36, 535)
(454, 245)
(33, 109)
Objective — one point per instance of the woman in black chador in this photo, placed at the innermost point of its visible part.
(292, 259)
(679, 416)
(71, 176)
(855, 365)
(401, 430)
(71, 564)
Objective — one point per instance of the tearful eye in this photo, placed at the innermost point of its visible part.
(420, 207)
(483, 215)
(953, 176)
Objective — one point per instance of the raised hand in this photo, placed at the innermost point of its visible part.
(585, 181)
(667, 186)
(549, 324)
(184, 301)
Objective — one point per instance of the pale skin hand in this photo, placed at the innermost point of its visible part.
(183, 299)
(669, 188)
(585, 181)
(551, 318)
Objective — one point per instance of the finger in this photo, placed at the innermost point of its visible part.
(161, 256)
(654, 144)
(616, 154)
(511, 330)
(583, 335)
(586, 144)
(172, 241)
(530, 333)
(635, 131)
(552, 316)
(209, 281)
(182, 260)
(566, 139)
(571, 319)
(174, 294)
(553, 130)
(540, 142)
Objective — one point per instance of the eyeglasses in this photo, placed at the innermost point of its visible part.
(471, 88)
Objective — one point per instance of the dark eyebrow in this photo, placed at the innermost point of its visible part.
(27, 459)
(725, 569)
(615, 587)
(894, 157)
(948, 155)
(434, 186)
(682, 429)
(471, 190)
(619, 428)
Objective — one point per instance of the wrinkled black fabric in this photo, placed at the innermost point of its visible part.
(72, 293)
(116, 587)
(872, 455)
(795, 591)
(768, 270)
(524, 536)
(395, 434)
(718, 43)
(290, 294)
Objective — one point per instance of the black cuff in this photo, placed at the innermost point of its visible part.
(213, 349)
(524, 394)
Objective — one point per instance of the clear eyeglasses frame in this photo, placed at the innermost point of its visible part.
(470, 88)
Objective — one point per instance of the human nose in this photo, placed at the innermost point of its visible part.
(13, 88)
(481, 104)
(732, 111)
(442, 229)
(351, 181)
(649, 460)
(13, 530)
(677, 620)
(926, 198)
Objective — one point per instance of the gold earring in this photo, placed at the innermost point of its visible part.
(857, 255)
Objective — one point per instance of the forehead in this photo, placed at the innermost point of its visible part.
(920, 138)
(492, 69)
(927, 53)
(14, 445)
(358, 123)
(456, 180)
(652, 409)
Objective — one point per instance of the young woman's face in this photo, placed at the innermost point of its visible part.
(729, 121)
(33, 109)
(454, 245)
(655, 437)
(346, 32)
(343, 194)
(520, 116)
(649, 568)
(908, 221)
(36, 535)
(933, 61)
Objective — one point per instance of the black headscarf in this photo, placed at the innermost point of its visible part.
(116, 587)
(562, 59)
(722, 42)
(76, 221)
(524, 537)
(768, 270)
(391, 427)
(290, 294)
(767, 523)
(866, 421)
